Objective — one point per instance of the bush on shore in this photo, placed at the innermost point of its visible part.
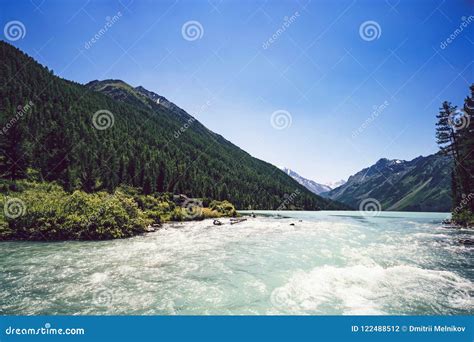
(463, 218)
(44, 211)
(224, 208)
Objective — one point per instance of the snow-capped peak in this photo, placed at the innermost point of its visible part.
(311, 185)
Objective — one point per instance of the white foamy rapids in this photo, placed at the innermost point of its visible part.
(306, 263)
(373, 290)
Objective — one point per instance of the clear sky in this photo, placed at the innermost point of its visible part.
(238, 62)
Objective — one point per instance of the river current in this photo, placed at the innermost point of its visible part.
(319, 263)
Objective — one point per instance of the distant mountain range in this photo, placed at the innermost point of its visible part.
(334, 185)
(314, 187)
(421, 184)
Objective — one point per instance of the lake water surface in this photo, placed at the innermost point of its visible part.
(328, 263)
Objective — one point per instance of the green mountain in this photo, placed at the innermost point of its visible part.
(108, 133)
(422, 184)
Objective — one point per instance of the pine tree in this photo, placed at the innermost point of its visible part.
(455, 136)
(445, 133)
(467, 144)
(13, 161)
(448, 138)
(56, 155)
(160, 182)
(223, 192)
(147, 185)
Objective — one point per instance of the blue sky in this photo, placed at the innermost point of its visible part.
(322, 71)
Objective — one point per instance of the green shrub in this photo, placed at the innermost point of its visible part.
(464, 218)
(50, 213)
(44, 211)
(5, 231)
(223, 207)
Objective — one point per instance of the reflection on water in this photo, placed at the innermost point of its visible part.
(326, 263)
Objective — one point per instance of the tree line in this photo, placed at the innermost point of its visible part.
(47, 134)
(455, 136)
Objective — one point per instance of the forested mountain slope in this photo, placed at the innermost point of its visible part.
(99, 136)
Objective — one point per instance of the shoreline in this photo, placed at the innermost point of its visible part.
(40, 211)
